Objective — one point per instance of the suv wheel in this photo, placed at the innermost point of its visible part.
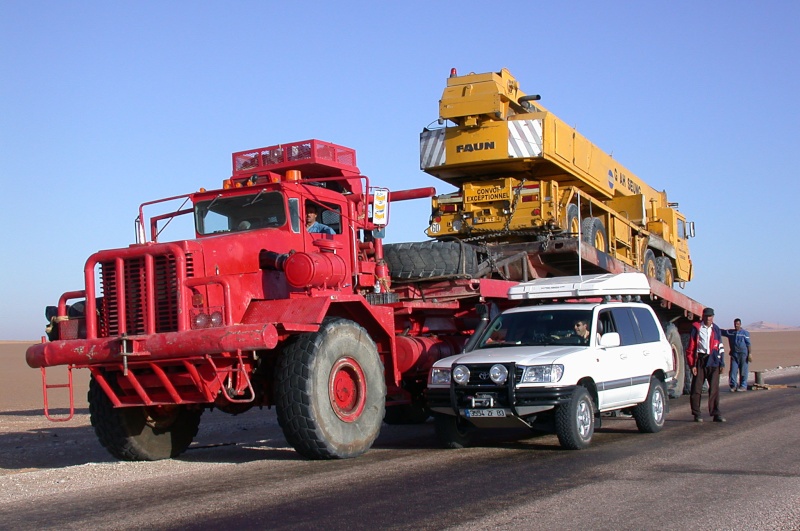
(575, 421)
(651, 413)
(452, 431)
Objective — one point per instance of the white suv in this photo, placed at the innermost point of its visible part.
(531, 367)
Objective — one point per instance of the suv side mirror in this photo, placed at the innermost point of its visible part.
(609, 339)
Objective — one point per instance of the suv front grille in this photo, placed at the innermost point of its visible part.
(479, 374)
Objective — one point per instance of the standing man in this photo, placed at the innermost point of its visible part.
(706, 356)
(739, 343)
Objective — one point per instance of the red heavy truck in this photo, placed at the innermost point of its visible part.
(257, 311)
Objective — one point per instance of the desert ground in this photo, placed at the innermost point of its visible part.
(21, 386)
(43, 461)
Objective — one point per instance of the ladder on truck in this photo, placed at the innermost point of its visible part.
(68, 385)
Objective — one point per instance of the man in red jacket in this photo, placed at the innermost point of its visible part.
(706, 356)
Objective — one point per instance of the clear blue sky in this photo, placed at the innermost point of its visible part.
(105, 105)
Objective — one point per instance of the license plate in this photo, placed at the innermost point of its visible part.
(475, 413)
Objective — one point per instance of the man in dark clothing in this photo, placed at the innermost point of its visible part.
(739, 343)
(706, 356)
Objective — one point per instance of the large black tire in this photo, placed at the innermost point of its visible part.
(651, 414)
(331, 391)
(573, 220)
(649, 264)
(452, 431)
(594, 233)
(575, 421)
(432, 259)
(664, 272)
(676, 387)
(141, 433)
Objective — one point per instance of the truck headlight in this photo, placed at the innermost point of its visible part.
(542, 374)
(439, 376)
(461, 374)
(498, 374)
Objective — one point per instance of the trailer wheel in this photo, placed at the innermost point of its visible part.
(676, 387)
(331, 391)
(575, 421)
(651, 413)
(664, 270)
(594, 233)
(418, 260)
(453, 432)
(141, 433)
(649, 264)
(687, 382)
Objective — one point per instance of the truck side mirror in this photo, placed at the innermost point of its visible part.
(379, 234)
(691, 229)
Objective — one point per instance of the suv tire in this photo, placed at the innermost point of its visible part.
(575, 421)
(452, 431)
(651, 413)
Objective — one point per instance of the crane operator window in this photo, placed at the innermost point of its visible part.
(258, 210)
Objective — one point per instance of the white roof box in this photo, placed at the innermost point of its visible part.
(583, 286)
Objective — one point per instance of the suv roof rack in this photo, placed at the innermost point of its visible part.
(604, 285)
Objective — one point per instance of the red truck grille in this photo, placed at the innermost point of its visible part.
(137, 300)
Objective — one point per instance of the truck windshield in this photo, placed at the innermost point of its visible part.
(538, 328)
(240, 213)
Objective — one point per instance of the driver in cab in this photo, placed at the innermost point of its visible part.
(314, 226)
(581, 328)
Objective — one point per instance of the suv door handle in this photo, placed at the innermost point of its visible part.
(623, 355)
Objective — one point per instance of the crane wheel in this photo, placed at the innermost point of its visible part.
(594, 233)
(649, 264)
(664, 270)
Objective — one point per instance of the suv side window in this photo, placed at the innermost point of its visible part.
(605, 323)
(628, 333)
(647, 325)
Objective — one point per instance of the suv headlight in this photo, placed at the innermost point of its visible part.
(439, 376)
(542, 374)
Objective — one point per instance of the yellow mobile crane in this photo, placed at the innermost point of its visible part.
(523, 174)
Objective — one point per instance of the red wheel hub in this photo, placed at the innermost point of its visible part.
(347, 389)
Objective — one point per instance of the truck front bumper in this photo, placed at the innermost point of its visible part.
(83, 352)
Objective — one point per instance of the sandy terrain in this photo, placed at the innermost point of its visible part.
(21, 386)
(21, 403)
(39, 458)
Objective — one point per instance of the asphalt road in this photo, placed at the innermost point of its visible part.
(240, 474)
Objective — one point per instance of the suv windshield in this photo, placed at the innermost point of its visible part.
(239, 213)
(538, 328)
